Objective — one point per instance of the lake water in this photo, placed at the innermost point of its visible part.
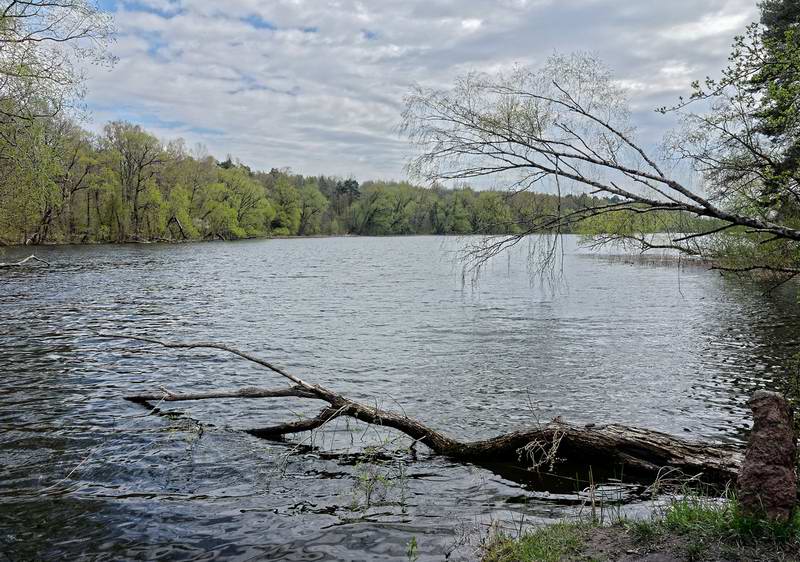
(87, 475)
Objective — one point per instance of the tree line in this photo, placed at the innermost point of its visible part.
(71, 186)
(62, 184)
(566, 126)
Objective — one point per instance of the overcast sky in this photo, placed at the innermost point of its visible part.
(318, 85)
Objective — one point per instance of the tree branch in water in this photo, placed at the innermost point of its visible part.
(23, 262)
(639, 450)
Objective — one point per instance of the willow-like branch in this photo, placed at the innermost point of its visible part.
(569, 122)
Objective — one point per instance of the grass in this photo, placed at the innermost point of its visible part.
(555, 542)
(691, 528)
(701, 517)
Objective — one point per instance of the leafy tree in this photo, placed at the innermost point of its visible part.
(28, 192)
(134, 155)
(344, 194)
(372, 213)
(312, 207)
(286, 200)
(179, 210)
(41, 44)
(777, 79)
(77, 163)
(219, 218)
(490, 214)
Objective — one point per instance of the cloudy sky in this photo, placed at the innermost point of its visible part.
(318, 85)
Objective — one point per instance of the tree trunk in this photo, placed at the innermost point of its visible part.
(175, 220)
(640, 451)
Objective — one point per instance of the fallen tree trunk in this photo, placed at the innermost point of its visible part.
(23, 262)
(638, 450)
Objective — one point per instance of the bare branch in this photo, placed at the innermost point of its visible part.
(23, 262)
(246, 392)
(640, 450)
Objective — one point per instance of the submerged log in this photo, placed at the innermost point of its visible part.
(638, 450)
(23, 262)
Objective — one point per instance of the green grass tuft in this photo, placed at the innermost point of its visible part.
(645, 531)
(704, 518)
(701, 528)
(548, 544)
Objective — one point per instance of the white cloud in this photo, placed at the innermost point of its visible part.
(318, 85)
(472, 24)
(710, 25)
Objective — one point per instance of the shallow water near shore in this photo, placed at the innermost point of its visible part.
(87, 475)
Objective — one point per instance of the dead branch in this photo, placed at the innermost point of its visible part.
(23, 262)
(246, 392)
(639, 450)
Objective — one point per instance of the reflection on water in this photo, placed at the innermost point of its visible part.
(386, 320)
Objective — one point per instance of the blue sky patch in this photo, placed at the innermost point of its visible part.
(259, 23)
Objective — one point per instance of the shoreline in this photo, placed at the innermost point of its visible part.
(692, 528)
(5, 244)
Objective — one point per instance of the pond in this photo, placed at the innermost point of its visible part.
(85, 474)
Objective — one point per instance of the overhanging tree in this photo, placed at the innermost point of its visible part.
(42, 46)
(568, 126)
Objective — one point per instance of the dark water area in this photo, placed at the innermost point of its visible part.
(85, 475)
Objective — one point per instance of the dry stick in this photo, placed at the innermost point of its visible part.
(339, 404)
(246, 392)
(23, 262)
(638, 449)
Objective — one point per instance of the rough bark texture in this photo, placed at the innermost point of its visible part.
(639, 450)
(767, 483)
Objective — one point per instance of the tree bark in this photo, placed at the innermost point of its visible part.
(640, 451)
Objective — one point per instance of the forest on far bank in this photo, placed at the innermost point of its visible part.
(70, 186)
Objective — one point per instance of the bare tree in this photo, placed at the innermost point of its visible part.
(568, 127)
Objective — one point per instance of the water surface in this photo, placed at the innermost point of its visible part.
(87, 475)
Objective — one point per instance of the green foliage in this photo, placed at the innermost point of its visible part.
(777, 80)
(712, 519)
(313, 205)
(66, 185)
(747, 144)
(491, 214)
(286, 199)
(559, 541)
(630, 223)
(412, 550)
